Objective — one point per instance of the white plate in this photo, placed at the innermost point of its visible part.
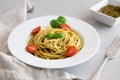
(19, 37)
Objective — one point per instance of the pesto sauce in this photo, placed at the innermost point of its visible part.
(111, 10)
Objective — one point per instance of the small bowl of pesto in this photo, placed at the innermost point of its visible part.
(107, 12)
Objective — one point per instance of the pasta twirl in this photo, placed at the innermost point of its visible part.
(54, 48)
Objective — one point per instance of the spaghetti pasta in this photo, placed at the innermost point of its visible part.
(54, 48)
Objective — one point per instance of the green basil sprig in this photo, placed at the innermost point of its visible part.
(55, 23)
(54, 36)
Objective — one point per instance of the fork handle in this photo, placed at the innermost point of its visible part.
(99, 71)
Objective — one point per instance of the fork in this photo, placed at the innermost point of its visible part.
(110, 54)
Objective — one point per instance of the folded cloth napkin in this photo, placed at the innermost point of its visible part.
(10, 67)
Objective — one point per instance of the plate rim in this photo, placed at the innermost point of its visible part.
(54, 67)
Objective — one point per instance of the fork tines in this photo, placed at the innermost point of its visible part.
(115, 46)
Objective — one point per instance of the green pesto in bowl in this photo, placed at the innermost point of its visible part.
(111, 10)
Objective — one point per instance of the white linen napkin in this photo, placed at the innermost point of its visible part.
(10, 67)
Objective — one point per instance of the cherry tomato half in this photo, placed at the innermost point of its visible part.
(72, 50)
(64, 26)
(36, 30)
(31, 48)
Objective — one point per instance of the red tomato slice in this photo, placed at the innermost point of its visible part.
(72, 50)
(64, 26)
(31, 48)
(36, 30)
